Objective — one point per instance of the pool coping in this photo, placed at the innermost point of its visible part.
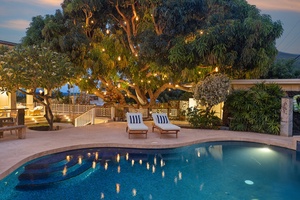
(16, 152)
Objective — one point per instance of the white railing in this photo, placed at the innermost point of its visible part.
(86, 118)
(70, 108)
(89, 116)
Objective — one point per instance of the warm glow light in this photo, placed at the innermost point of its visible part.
(162, 163)
(64, 172)
(127, 156)
(176, 85)
(153, 169)
(148, 166)
(119, 169)
(137, 18)
(118, 158)
(141, 162)
(133, 192)
(68, 158)
(103, 49)
(132, 162)
(179, 175)
(102, 195)
(163, 174)
(199, 154)
(94, 165)
(107, 31)
(149, 81)
(79, 160)
(106, 166)
(119, 58)
(142, 80)
(216, 69)
(154, 160)
(118, 188)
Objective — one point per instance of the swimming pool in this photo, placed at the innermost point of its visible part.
(219, 170)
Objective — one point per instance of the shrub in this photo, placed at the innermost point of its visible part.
(257, 109)
(199, 118)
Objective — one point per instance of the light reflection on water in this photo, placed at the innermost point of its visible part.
(223, 170)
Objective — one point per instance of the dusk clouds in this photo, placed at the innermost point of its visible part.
(283, 5)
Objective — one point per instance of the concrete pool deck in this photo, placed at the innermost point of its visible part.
(16, 152)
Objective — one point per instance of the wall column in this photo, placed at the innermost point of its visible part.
(286, 124)
(29, 102)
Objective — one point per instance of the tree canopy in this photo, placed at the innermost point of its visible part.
(27, 69)
(139, 48)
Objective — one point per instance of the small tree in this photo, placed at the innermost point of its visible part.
(26, 69)
(212, 91)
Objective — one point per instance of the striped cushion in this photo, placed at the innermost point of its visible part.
(162, 119)
(135, 119)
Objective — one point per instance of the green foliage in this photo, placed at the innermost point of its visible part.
(257, 109)
(152, 46)
(26, 69)
(199, 118)
(282, 69)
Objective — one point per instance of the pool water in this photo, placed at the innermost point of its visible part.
(219, 170)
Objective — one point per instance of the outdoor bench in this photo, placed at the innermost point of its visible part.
(21, 130)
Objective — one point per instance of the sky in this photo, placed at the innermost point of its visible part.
(16, 15)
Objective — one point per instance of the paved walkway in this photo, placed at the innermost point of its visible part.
(15, 152)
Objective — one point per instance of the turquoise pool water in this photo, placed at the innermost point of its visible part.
(219, 170)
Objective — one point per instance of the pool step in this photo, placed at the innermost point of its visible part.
(40, 175)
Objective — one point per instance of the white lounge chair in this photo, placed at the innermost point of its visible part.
(36, 110)
(135, 124)
(162, 123)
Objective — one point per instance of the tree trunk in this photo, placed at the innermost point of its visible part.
(48, 115)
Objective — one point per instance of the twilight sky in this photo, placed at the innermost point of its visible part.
(15, 16)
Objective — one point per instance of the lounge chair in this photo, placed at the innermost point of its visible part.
(36, 110)
(162, 123)
(135, 124)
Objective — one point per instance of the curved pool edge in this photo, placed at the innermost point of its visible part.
(85, 137)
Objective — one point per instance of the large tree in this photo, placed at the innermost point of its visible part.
(27, 69)
(139, 48)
